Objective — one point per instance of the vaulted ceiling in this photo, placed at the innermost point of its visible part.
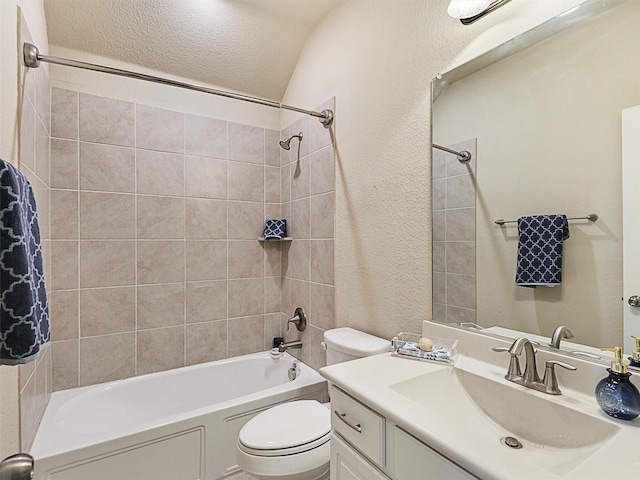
(249, 46)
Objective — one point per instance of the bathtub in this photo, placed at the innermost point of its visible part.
(173, 425)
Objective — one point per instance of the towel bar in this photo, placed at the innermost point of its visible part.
(592, 217)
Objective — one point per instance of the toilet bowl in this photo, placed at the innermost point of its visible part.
(291, 441)
(293, 449)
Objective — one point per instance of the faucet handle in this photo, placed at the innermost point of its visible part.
(514, 365)
(550, 381)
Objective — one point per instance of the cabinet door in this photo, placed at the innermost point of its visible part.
(413, 459)
(347, 464)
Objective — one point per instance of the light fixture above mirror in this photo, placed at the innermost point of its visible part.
(468, 11)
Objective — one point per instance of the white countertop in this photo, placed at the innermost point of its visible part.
(467, 442)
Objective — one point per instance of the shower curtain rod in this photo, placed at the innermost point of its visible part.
(463, 156)
(32, 59)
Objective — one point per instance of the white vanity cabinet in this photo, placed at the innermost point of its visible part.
(367, 446)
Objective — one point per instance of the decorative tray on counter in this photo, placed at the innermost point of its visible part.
(406, 345)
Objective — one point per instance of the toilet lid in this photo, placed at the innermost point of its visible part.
(303, 423)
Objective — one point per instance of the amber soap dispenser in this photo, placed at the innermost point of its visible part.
(616, 395)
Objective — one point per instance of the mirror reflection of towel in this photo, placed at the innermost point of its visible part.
(540, 244)
(24, 314)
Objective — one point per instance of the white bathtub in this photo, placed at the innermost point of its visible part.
(173, 425)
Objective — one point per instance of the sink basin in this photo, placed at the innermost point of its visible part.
(488, 408)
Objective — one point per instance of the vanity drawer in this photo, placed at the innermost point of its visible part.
(359, 425)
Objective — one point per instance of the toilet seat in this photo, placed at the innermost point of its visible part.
(286, 429)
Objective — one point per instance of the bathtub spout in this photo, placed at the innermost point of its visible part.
(284, 346)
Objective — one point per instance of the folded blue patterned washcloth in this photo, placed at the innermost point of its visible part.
(439, 354)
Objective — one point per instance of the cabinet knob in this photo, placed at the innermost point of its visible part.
(634, 301)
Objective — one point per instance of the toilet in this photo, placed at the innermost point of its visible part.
(291, 441)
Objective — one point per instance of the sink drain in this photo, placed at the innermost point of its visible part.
(511, 442)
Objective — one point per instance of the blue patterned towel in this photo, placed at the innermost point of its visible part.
(24, 314)
(540, 245)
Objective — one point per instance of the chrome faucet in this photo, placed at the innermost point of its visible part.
(530, 377)
(558, 334)
(284, 346)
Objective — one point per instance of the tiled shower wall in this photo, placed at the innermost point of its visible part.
(35, 377)
(155, 220)
(454, 232)
(308, 202)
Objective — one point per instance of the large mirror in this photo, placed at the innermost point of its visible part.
(542, 118)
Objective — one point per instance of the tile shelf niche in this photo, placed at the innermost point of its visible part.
(285, 239)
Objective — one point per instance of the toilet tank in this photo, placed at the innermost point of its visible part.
(344, 344)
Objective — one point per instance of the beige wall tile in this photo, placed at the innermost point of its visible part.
(246, 259)
(206, 301)
(439, 288)
(64, 314)
(107, 168)
(272, 298)
(107, 263)
(299, 224)
(319, 135)
(299, 149)
(245, 182)
(28, 414)
(322, 173)
(43, 97)
(159, 129)
(64, 113)
(322, 216)
(107, 215)
(161, 261)
(28, 135)
(160, 305)
(439, 226)
(246, 220)
(322, 261)
(246, 335)
(42, 152)
(64, 214)
(107, 358)
(272, 328)
(439, 258)
(64, 265)
(105, 120)
(300, 179)
(107, 310)
(206, 260)
(298, 260)
(461, 290)
(300, 297)
(460, 315)
(285, 183)
(439, 193)
(273, 258)
(64, 164)
(318, 356)
(322, 310)
(272, 184)
(461, 192)
(160, 349)
(272, 148)
(160, 217)
(206, 342)
(273, 210)
(160, 173)
(205, 137)
(206, 177)
(246, 143)
(246, 297)
(206, 219)
(461, 224)
(64, 357)
(461, 257)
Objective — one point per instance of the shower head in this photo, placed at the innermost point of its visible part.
(285, 144)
